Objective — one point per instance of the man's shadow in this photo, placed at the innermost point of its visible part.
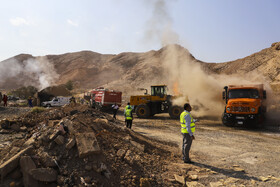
(227, 172)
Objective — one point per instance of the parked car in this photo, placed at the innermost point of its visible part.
(57, 101)
(12, 98)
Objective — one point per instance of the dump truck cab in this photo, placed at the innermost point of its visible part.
(245, 105)
(157, 102)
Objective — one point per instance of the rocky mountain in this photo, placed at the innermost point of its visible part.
(127, 71)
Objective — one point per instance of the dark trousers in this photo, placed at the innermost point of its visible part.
(128, 123)
(115, 113)
(187, 142)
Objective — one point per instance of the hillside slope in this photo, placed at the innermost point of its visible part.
(129, 70)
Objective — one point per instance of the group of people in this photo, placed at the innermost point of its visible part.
(187, 127)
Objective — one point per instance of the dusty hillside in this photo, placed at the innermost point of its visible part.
(264, 63)
(130, 70)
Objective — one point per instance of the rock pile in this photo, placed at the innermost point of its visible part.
(86, 147)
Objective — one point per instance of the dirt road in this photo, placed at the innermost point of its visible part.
(248, 156)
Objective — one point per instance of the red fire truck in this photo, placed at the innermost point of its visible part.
(101, 98)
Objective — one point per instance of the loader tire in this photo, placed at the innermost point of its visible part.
(143, 111)
(175, 112)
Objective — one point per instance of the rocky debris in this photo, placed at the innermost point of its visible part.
(59, 140)
(193, 177)
(264, 179)
(71, 143)
(129, 157)
(98, 120)
(216, 184)
(68, 123)
(144, 182)
(180, 179)
(13, 162)
(46, 160)
(23, 129)
(138, 145)
(230, 180)
(54, 135)
(27, 164)
(15, 127)
(29, 142)
(87, 144)
(194, 184)
(16, 174)
(96, 151)
(5, 124)
(238, 168)
(121, 153)
(44, 174)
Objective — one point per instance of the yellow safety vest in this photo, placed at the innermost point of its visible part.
(127, 107)
(183, 122)
(128, 114)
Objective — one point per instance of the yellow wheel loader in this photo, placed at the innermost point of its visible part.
(146, 106)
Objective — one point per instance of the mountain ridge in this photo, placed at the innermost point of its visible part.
(90, 69)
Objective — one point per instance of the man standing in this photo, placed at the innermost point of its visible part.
(0, 97)
(30, 102)
(187, 130)
(128, 116)
(128, 105)
(115, 110)
(5, 100)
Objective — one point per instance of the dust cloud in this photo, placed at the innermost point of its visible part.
(37, 72)
(202, 90)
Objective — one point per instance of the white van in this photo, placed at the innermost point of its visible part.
(57, 101)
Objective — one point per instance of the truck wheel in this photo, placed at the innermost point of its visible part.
(260, 119)
(228, 124)
(175, 112)
(48, 105)
(143, 111)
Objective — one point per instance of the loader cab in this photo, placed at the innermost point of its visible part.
(159, 90)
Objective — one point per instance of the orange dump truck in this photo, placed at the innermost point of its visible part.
(244, 105)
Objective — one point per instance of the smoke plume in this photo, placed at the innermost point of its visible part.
(37, 72)
(160, 25)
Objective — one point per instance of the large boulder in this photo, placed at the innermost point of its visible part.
(44, 174)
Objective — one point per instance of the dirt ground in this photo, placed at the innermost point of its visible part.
(249, 156)
(222, 156)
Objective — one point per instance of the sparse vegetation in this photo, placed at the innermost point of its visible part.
(24, 92)
(38, 109)
(22, 104)
(69, 85)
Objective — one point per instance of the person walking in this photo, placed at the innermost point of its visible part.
(115, 109)
(187, 130)
(30, 102)
(128, 116)
(5, 100)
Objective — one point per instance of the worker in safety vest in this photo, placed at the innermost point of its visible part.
(187, 130)
(128, 105)
(128, 116)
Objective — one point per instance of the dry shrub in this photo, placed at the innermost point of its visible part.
(37, 109)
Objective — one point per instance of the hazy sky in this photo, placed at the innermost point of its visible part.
(213, 31)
